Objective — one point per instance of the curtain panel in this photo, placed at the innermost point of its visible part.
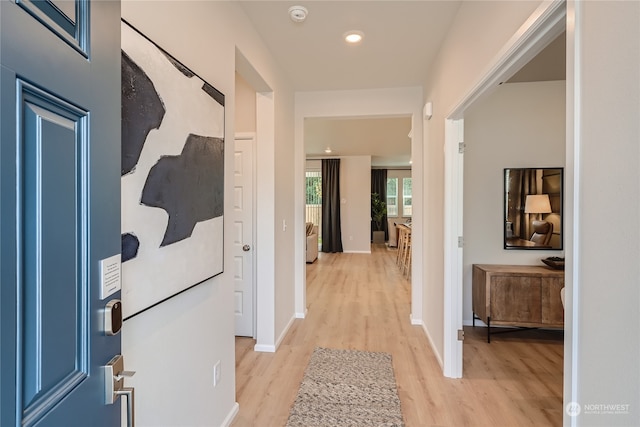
(331, 230)
(522, 182)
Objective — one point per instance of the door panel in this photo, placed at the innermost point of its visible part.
(67, 19)
(243, 235)
(51, 198)
(59, 208)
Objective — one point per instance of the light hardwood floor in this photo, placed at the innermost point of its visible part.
(361, 301)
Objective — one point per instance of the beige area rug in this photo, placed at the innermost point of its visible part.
(347, 388)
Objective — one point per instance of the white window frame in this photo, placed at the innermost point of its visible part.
(400, 175)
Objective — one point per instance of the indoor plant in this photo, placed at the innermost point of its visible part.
(378, 212)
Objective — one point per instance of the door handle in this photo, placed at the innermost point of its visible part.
(246, 248)
(114, 375)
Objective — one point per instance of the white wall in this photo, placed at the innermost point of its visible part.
(355, 204)
(478, 33)
(245, 112)
(174, 346)
(602, 348)
(519, 125)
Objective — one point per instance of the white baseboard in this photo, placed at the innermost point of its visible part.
(302, 315)
(433, 348)
(231, 415)
(284, 331)
(264, 348)
(268, 348)
(416, 322)
(420, 322)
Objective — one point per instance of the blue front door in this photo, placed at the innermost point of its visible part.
(59, 208)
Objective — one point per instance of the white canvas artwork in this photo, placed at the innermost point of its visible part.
(172, 176)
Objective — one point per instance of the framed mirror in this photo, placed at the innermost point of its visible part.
(533, 208)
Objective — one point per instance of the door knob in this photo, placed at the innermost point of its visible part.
(246, 248)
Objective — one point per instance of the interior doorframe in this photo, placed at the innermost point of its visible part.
(350, 104)
(264, 176)
(543, 26)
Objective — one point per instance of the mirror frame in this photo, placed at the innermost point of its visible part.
(547, 178)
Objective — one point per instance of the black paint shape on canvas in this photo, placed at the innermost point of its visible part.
(130, 246)
(142, 111)
(214, 93)
(189, 186)
(184, 70)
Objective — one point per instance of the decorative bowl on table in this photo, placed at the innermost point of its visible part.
(554, 262)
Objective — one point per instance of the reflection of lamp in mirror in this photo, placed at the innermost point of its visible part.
(537, 204)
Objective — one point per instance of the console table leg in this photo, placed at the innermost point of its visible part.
(489, 329)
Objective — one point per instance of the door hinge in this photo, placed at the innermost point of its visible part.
(461, 147)
(460, 241)
(460, 335)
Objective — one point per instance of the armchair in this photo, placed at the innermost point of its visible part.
(542, 231)
(312, 243)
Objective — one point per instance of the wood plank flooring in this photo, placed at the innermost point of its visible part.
(361, 301)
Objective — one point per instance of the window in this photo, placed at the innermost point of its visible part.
(399, 197)
(406, 196)
(392, 197)
(313, 205)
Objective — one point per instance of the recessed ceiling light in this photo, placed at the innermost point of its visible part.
(327, 150)
(353, 37)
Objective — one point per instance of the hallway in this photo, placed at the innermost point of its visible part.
(362, 301)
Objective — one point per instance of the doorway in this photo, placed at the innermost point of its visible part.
(544, 28)
(397, 102)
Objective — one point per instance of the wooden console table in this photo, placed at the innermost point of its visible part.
(525, 296)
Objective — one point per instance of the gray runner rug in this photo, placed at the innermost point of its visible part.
(347, 388)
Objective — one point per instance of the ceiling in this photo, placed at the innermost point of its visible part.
(401, 40)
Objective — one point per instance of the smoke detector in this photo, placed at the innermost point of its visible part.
(298, 13)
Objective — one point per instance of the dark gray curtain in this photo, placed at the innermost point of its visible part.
(331, 230)
(379, 185)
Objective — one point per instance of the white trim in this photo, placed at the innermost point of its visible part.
(273, 348)
(265, 231)
(360, 103)
(545, 24)
(433, 347)
(572, 200)
(453, 265)
(284, 331)
(264, 348)
(231, 415)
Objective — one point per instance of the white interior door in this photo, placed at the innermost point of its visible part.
(243, 236)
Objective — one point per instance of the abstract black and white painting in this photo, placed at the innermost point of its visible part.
(172, 175)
